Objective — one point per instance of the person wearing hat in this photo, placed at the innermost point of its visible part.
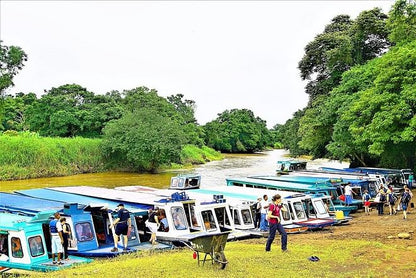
(122, 224)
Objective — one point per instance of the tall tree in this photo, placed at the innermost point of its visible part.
(237, 130)
(402, 21)
(144, 139)
(12, 60)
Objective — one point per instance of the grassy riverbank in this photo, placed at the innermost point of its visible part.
(28, 155)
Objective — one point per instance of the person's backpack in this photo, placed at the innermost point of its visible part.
(406, 198)
(393, 198)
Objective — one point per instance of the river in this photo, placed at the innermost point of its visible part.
(212, 173)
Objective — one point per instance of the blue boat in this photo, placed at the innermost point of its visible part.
(90, 222)
(322, 182)
(268, 182)
(23, 245)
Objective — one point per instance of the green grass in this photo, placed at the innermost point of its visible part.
(349, 258)
(28, 155)
(193, 155)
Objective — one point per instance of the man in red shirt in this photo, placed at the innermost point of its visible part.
(273, 216)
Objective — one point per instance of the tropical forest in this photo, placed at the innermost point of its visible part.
(361, 84)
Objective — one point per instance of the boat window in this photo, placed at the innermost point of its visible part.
(320, 206)
(247, 219)
(36, 246)
(237, 184)
(194, 219)
(209, 220)
(222, 216)
(299, 211)
(84, 231)
(3, 245)
(285, 214)
(174, 183)
(17, 250)
(179, 218)
(236, 218)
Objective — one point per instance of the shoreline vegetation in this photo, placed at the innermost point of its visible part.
(27, 155)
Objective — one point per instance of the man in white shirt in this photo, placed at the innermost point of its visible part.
(264, 207)
(348, 194)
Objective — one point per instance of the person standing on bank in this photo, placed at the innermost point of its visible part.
(273, 216)
(57, 240)
(122, 224)
(348, 194)
(264, 207)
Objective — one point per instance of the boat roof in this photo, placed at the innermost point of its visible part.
(16, 221)
(280, 184)
(29, 204)
(133, 199)
(54, 194)
(299, 179)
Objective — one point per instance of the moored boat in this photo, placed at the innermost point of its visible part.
(23, 245)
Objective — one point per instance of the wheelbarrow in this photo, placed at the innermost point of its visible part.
(212, 245)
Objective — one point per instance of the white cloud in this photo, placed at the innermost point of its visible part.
(223, 55)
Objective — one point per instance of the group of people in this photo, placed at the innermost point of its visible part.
(268, 219)
(387, 196)
(60, 232)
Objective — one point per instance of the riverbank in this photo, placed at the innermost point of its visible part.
(28, 156)
(367, 247)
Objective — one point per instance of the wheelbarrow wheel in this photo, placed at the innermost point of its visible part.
(220, 259)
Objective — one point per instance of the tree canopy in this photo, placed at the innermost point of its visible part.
(362, 90)
(237, 130)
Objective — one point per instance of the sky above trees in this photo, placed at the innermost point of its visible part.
(237, 54)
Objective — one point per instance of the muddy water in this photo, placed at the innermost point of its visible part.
(213, 173)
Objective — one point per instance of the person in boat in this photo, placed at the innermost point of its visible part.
(57, 239)
(122, 224)
(66, 231)
(153, 224)
(264, 207)
(164, 225)
(273, 215)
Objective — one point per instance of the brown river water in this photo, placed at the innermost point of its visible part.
(212, 174)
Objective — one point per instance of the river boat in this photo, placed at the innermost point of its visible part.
(284, 167)
(186, 219)
(265, 183)
(89, 220)
(185, 182)
(296, 215)
(321, 181)
(23, 245)
(370, 183)
(393, 177)
(241, 212)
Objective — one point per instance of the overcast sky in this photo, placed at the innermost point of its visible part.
(222, 55)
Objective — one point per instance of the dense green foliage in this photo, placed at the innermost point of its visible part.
(365, 107)
(237, 130)
(12, 60)
(27, 155)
